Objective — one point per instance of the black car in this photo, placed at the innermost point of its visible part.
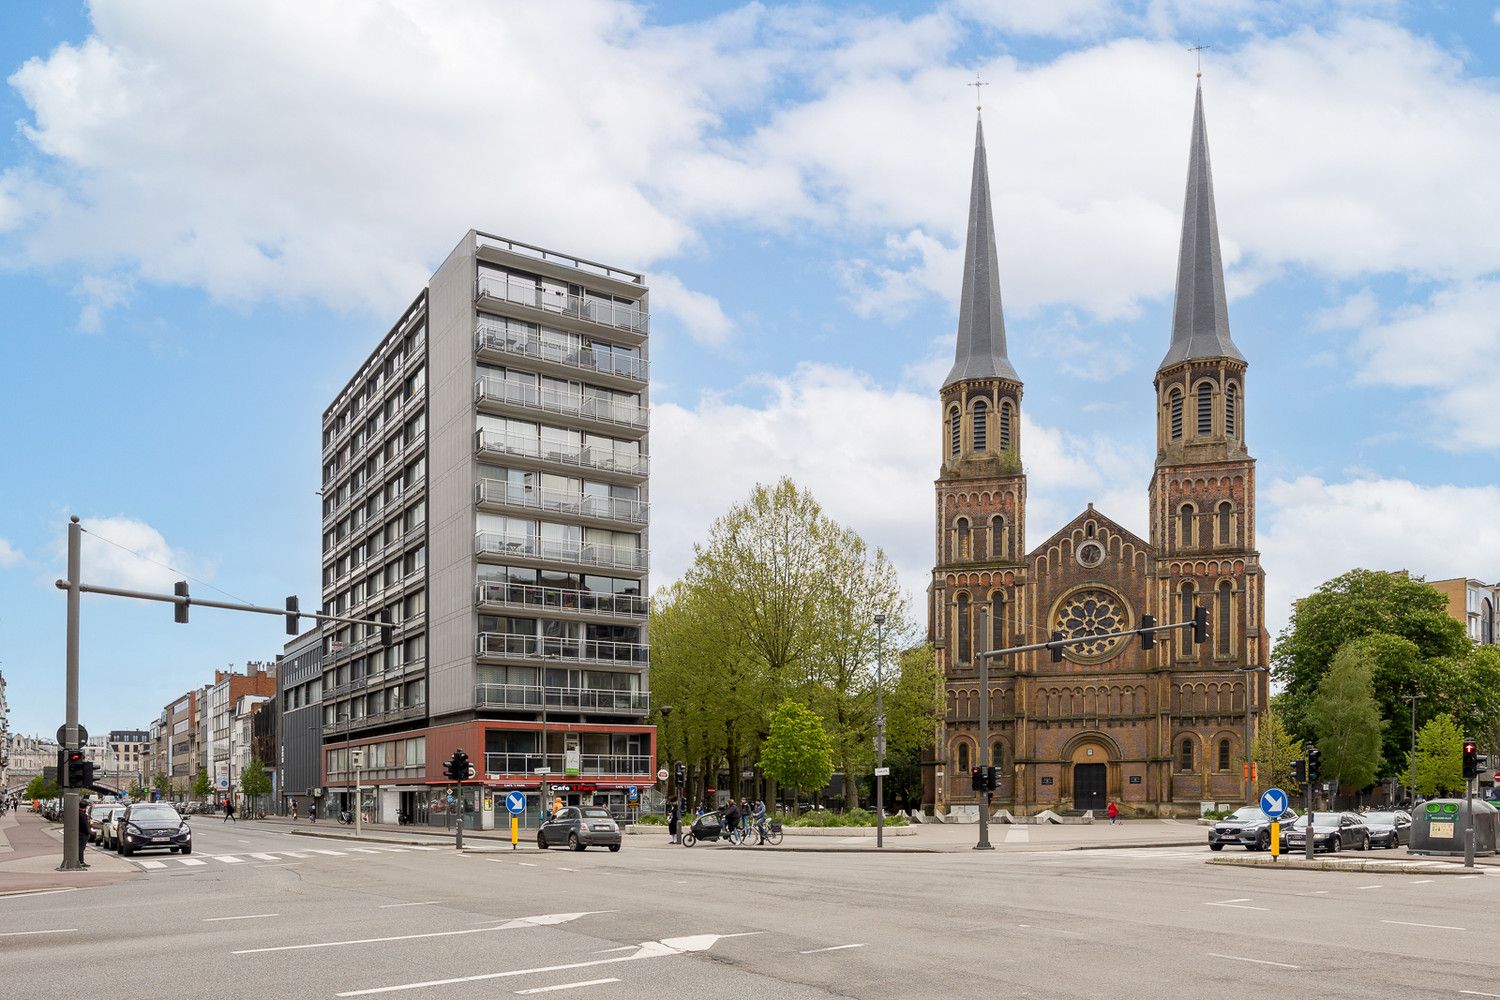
(149, 826)
(1332, 832)
(1388, 829)
(1246, 827)
(98, 815)
(580, 827)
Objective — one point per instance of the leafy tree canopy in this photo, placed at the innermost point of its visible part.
(1440, 758)
(797, 752)
(1346, 719)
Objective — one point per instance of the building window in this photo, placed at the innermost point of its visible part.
(997, 757)
(1185, 756)
(955, 431)
(981, 419)
(1005, 425)
(1231, 402)
(1186, 611)
(965, 550)
(1185, 524)
(1222, 627)
(1224, 523)
(1205, 410)
(1176, 409)
(997, 621)
(997, 536)
(1487, 621)
(1223, 755)
(964, 649)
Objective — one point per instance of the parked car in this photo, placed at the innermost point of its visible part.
(1246, 827)
(1388, 829)
(149, 826)
(1332, 832)
(97, 814)
(579, 828)
(110, 837)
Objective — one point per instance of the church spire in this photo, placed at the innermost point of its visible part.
(981, 322)
(1200, 317)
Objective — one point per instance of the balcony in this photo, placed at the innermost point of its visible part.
(589, 765)
(573, 456)
(551, 649)
(576, 553)
(558, 599)
(507, 395)
(498, 493)
(521, 344)
(600, 312)
(566, 699)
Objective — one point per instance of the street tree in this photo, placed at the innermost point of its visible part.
(254, 781)
(1346, 719)
(202, 786)
(1439, 768)
(40, 788)
(136, 791)
(162, 783)
(913, 706)
(797, 752)
(1274, 750)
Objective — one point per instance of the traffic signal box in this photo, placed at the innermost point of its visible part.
(458, 767)
(1299, 771)
(1471, 759)
(1314, 765)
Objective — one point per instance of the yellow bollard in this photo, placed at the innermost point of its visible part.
(515, 831)
(1275, 841)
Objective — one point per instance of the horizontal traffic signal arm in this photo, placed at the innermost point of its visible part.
(1198, 621)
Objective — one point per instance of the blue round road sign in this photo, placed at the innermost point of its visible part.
(515, 802)
(1273, 802)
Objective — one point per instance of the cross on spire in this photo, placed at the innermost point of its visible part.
(978, 104)
(1198, 51)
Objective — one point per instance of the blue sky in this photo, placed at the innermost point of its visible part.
(210, 212)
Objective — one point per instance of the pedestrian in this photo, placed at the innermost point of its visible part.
(674, 819)
(229, 811)
(83, 831)
(294, 811)
(312, 812)
(1114, 813)
(744, 815)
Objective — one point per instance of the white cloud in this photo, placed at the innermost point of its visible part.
(151, 563)
(1356, 311)
(1312, 531)
(99, 294)
(700, 314)
(1049, 18)
(9, 554)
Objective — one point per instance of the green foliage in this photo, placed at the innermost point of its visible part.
(203, 786)
(650, 819)
(1274, 750)
(136, 791)
(162, 783)
(40, 788)
(1440, 758)
(254, 781)
(797, 752)
(829, 818)
(1346, 719)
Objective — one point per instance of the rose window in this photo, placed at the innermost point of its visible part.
(1091, 612)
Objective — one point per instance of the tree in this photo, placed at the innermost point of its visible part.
(202, 786)
(162, 783)
(913, 707)
(136, 791)
(797, 752)
(1440, 758)
(254, 781)
(1346, 719)
(1274, 750)
(40, 788)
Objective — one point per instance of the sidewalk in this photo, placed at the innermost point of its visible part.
(31, 850)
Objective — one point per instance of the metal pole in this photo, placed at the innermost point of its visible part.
(879, 731)
(358, 795)
(1412, 791)
(72, 847)
(984, 734)
(1307, 848)
(1469, 824)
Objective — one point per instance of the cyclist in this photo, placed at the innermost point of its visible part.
(730, 821)
(759, 815)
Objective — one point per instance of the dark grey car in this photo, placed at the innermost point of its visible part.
(1247, 827)
(1332, 832)
(1388, 829)
(580, 827)
(149, 826)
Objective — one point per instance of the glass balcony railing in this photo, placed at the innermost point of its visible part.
(578, 553)
(604, 312)
(560, 698)
(528, 344)
(501, 493)
(600, 765)
(531, 647)
(527, 595)
(562, 453)
(571, 404)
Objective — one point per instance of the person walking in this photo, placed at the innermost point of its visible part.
(674, 820)
(1114, 813)
(83, 831)
(759, 812)
(229, 811)
(312, 812)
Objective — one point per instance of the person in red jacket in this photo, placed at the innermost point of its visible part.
(1114, 813)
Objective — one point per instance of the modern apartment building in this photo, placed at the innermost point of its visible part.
(180, 732)
(125, 763)
(1474, 603)
(299, 752)
(485, 484)
(230, 701)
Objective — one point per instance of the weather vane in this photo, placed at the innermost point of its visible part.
(1198, 51)
(978, 104)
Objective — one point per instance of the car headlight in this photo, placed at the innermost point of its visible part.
(184, 830)
(132, 828)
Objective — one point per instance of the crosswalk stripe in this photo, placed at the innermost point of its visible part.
(264, 857)
(332, 854)
(363, 850)
(191, 862)
(152, 864)
(230, 859)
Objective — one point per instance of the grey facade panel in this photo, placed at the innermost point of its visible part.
(301, 737)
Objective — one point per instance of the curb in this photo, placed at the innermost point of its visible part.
(1361, 867)
(365, 840)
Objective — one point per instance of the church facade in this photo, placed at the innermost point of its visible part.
(1159, 730)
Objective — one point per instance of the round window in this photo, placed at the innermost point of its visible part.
(1090, 554)
(1091, 611)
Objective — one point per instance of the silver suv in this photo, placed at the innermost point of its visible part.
(1247, 827)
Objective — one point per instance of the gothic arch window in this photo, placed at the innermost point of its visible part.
(955, 431)
(997, 755)
(1222, 627)
(1186, 516)
(1224, 755)
(963, 755)
(965, 549)
(1185, 755)
(997, 536)
(1175, 406)
(1186, 610)
(1005, 421)
(981, 424)
(997, 620)
(1089, 530)
(1205, 409)
(964, 648)
(1225, 524)
(1231, 405)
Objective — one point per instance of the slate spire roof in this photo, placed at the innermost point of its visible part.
(981, 322)
(1200, 317)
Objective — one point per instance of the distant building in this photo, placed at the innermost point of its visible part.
(299, 692)
(28, 756)
(227, 741)
(5, 784)
(126, 758)
(178, 754)
(1475, 604)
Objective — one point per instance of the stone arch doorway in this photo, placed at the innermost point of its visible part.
(1090, 757)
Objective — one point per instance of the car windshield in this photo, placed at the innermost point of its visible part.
(155, 812)
(1387, 819)
(1245, 814)
(100, 811)
(595, 814)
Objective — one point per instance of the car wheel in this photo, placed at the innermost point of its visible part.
(1215, 847)
(573, 844)
(541, 840)
(1334, 845)
(188, 849)
(1365, 844)
(614, 847)
(124, 851)
(1264, 843)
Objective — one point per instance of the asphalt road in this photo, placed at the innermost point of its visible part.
(297, 917)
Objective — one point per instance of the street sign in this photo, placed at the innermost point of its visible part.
(358, 756)
(1273, 803)
(62, 736)
(882, 772)
(632, 793)
(661, 775)
(515, 803)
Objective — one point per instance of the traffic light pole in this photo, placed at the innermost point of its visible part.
(984, 737)
(72, 846)
(1469, 825)
(458, 828)
(1307, 848)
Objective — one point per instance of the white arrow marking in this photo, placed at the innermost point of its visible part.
(646, 949)
(1277, 805)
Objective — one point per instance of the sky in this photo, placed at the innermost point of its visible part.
(211, 211)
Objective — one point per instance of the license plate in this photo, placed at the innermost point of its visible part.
(1440, 829)
(604, 828)
(160, 840)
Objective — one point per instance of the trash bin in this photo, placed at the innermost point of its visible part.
(1437, 827)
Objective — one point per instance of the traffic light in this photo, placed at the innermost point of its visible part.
(991, 778)
(180, 611)
(387, 630)
(1200, 625)
(1148, 637)
(1299, 771)
(75, 769)
(292, 621)
(1471, 758)
(681, 776)
(1314, 765)
(458, 767)
(976, 777)
(1057, 651)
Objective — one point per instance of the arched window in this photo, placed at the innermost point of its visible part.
(1185, 524)
(1185, 756)
(963, 758)
(981, 423)
(997, 621)
(964, 648)
(1187, 608)
(1005, 425)
(997, 536)
(1222, 630)
(1231, 403)
(964, 541)
(1176, 409)
(1205, 410)
(955, 431)
(1223, 755)
(1224, 523)
(997, 757)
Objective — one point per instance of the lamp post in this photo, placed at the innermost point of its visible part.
(1412, 700)
(666, 713)
(982, 655)
(1250, 773)
(879, 730)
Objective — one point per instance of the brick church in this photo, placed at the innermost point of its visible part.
(1157, 731)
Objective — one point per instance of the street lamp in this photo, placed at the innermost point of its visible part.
(1412, 700)
(1250, 776)
(879, 730)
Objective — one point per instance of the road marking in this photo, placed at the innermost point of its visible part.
(152, 864)
(565, 986)
(300, 855)
(425, 902)
(1476, 993)
(1237, 904)
(59, 930)
(646, 949)
(247, 916)
(1257, 961)
(37, 892)
(1436, 927)
(191, 862)
(1368, 887)
(526, 864)
(1422, 881)
(264, 857)
(230, 859)
(363, 850)
(544, 920)
(332, 854)
(837, 947)
(562, 869)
